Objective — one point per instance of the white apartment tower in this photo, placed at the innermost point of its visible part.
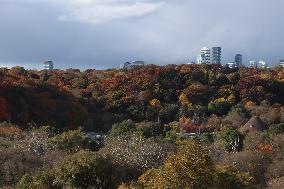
(281, 63)
(252, 64)
(204, 57)
(262, 64)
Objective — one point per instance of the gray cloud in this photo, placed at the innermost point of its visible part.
(96, 12)
(106, 33)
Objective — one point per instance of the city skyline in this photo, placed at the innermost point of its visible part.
(210, 56)
(106, 33)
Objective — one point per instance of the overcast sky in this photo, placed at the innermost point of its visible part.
(106, 33)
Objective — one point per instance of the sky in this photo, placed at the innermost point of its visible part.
(100, 34)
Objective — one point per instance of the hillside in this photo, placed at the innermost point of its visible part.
(95, 99)
(173, 126)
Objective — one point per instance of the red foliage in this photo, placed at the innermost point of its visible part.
(3, 109)
(10, 131)
(266, 148)
(190, 127)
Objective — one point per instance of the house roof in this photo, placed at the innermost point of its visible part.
(254, 124)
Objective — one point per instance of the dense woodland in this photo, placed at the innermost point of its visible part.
(174, 126)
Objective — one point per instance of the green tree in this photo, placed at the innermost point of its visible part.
(85, 169)
(123, 128)
(74, 141)
(231, 139)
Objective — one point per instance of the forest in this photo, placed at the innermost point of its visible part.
(153, 127)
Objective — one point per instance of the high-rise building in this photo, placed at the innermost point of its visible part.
(199, 59)
(231, 65)
(239, 60)
(262, 64)
(133, 64)
(48, 65)
(281, 63)
(204, 57)
(216, 55)
(252, 64)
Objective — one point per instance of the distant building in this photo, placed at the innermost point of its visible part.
(48, 65)
(239, 60)
(192, 62)
(281, 63)
(253, 125)
(216, 55)
(259, 64)
(252, 64)
(133, 64)
(231, 65)
(262, 64)
(199, 59)
(204, 57)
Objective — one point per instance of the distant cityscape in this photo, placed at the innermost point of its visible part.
(206, 56)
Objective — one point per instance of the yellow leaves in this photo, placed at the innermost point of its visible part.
(155, 103)
(181, 142)
(220, 100)
(249, 104)
(228, 176)
(183, 99)
(265, 76)
(184, 121)
(123, 186)
(119, 74)
(185, 69)
(191, 167)
(231, 99)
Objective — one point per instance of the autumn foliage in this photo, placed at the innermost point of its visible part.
(103, 97)
(172, 126)
(3, 109)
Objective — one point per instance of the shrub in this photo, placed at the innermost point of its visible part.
(25, 182)
(230, 178)
(42, 181)
(85, 169)
(122, 128)
(74, 141)
(134, 154)
(191, 167)
(10, 131)
(36, 140)
(276, 129)
(231, 139)
(14, 163)
(252, 162)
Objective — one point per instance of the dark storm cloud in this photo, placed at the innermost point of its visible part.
(106, 33)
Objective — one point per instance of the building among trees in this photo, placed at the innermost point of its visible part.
(48, 65)
(262, 64)
(252, 64)
(259, 64)
(133, 64)
(204, 57)
(216, 55)
(231, 65)
(239, 60)
(281, 63)
(253, 125)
